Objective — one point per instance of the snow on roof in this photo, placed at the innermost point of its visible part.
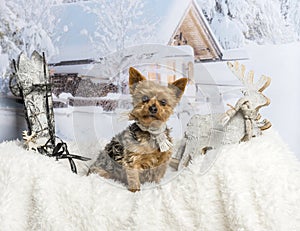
(75, 24)
(215, 73)
(235, 54)
(198, 8)
(142, 55)
(173, 14)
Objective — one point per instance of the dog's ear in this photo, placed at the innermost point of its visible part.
(178, 86)
(134, 77)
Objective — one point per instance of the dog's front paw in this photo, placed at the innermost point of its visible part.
(134, 186)
(134, 189)
(133, 180)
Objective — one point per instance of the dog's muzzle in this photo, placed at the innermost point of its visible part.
(153, 109)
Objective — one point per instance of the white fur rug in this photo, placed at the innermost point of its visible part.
(251, 186)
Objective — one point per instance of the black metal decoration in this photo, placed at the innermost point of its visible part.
(31, 81)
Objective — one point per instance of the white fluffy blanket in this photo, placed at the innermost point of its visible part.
(251, 186)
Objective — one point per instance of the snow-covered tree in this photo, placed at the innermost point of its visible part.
(260, 21)
(4, 63)
(26, 25)
(293, 14)
(120, 23)
(71, 1)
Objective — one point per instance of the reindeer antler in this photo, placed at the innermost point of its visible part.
(253, 91)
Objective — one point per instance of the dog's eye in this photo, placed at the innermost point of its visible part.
(163, 102)
(145, 99)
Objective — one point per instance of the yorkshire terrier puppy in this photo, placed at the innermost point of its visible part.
(142, 151)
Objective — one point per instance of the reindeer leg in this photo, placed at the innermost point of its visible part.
(248, 130)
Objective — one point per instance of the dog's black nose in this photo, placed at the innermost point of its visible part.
(153, 109)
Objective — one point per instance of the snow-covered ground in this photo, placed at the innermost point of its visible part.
(251, 186)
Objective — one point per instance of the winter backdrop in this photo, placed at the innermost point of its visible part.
(262, 26)
(29, 25)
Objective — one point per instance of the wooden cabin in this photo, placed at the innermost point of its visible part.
(194, 30)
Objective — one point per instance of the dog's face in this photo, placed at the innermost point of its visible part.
(151, 101)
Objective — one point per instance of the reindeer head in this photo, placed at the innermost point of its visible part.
(253, 91)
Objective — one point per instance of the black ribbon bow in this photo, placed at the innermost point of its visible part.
(60, 151)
